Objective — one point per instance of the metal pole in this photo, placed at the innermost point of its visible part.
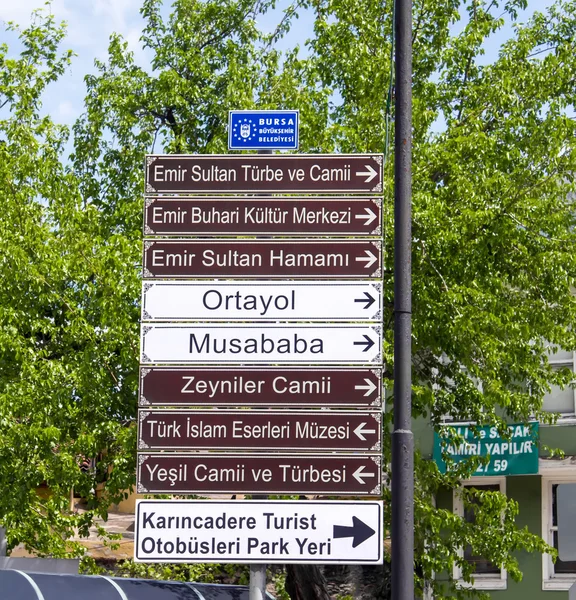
(3, 545)
(257, 589)
(402, 437)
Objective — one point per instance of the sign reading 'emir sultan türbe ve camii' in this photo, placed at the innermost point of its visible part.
(273, 173)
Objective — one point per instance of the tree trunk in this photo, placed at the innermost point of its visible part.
(306, 582)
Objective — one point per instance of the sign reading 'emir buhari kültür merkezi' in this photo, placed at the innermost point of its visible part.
(513, 454)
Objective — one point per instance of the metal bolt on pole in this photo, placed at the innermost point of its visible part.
(402, 436)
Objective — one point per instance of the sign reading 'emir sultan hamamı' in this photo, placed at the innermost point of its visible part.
(262, 258)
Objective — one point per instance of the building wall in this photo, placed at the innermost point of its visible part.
(527, 491)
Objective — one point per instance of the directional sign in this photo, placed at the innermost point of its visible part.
(248, 344)
(262, 258)
(259, 430)
(333, 388)
(261, 129)
(330, 474)
(267, 301)
(232, 215)
(255, 531)
(272, 173)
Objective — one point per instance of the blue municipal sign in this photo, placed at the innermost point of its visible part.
(263, 129)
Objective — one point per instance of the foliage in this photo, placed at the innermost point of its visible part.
(166, 571)
(68, 319)
(493, 261)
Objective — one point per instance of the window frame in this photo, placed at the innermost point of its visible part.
(552, 475)
(482, 581)
(558, 363)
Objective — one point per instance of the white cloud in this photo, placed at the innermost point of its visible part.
(66, 110)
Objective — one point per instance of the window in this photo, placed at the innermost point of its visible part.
(559, 400)
(487, 576)
(562, 574)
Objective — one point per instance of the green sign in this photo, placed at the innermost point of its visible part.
(516, 454)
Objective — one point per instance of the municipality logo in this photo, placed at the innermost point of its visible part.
(244, 130)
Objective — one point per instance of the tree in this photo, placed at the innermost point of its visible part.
(493, 265)
(68, 318)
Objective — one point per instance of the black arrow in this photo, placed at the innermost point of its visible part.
(368, 343)
(359, 531)
(369, 299)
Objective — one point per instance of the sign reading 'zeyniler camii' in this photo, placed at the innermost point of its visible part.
(272, 173)
(263, 387)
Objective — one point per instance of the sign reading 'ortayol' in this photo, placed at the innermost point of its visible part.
(271, 300)
(329, 474)
(262, 258)
(273, 173)
(232, 215)
(248, 344)
(253, 531)
(258, 430)
(279, 387)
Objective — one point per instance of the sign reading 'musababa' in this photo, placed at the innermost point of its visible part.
(515, 454)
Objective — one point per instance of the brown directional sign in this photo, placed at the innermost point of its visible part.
(330, 388)
(262, 258)
(234, 215)
(272, 173)
(259, 430)
(333, 474)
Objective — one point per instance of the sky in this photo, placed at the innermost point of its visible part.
(90, 24)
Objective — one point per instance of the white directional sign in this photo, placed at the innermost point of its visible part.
(248, 344)
(271, 531)
(267, 301)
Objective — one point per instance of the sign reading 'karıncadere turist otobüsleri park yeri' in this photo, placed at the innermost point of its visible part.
(513, 454)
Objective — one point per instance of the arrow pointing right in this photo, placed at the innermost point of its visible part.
(368, 217)
(359, 531)
(368, 343)
(369, 259)
(369, 174)
(368, 299)
(369, 387)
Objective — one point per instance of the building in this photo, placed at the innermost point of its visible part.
(537, 497)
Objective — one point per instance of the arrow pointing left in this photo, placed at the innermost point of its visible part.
(360, 431)
(359, 531)
(359, 475)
